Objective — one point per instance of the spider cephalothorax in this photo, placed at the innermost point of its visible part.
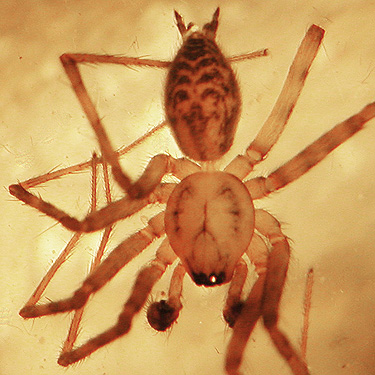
(210, 223)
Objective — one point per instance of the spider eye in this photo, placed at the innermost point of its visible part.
(210, 280)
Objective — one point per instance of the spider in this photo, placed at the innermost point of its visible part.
(210, 224)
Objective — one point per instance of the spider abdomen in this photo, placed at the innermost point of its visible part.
(202, 99)
(209, 221)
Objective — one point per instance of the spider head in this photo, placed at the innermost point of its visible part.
(209, 29)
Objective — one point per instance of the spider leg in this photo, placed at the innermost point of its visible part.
(75, 323)
(270, 132)
(250, 311)
(91, 223)
(96, 220)
(248, 56)
(161, 315)
(306, 312)
(77, 317)
(158, 166)
(234, 303)
(55, 174)
(311, 155)
(144, 283)
(277, 266)
(35, 297)
(115, 261)
(243, 327)
(123, 150)
(122, 208)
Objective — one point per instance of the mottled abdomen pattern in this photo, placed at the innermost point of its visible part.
(202, 99)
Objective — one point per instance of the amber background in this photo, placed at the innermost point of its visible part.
(328, 214)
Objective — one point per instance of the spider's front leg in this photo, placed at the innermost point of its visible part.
(66, 252)
(277, 267)
(264, 298)
(243, 327)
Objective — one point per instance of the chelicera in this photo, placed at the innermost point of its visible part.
(210, 224)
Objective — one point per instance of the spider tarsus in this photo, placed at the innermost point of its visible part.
(23, 195)
(17, 191)
(161, 315)
(66, 359)
(28, 312)
(231, 315)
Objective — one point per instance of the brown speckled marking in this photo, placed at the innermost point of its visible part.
(202, 98)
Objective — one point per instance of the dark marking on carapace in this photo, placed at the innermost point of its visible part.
(234, 210)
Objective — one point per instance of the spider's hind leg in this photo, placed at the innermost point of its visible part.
(311, 155)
